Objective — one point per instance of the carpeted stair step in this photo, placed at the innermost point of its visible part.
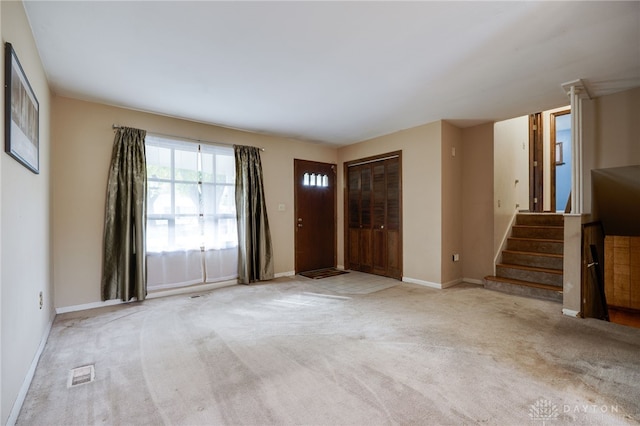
(544, 219)
(530, 274)
(539, 260)
(532, 261)
(540, 232)
(536, 245)
(523, 288)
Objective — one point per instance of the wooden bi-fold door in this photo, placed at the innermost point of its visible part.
(374, 215)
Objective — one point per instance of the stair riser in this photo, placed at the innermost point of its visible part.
(532, 260)
(540, 219)
(538, 293)
(535, 246)
(531, 276)
(544, 233)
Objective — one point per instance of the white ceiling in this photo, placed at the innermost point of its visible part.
(335, 72)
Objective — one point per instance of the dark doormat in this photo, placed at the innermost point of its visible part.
(323, 273)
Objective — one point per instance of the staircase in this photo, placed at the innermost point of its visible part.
(532, 262)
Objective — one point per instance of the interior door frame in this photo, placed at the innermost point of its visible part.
(345, 205)
(552, 148)
(296, 162)
(536, 163)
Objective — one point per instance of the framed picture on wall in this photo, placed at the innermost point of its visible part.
(559, 159)
(21, 108)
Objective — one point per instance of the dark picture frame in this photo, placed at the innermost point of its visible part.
(21, 112)
(559, 159)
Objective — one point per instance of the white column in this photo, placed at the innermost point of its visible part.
(576, 90)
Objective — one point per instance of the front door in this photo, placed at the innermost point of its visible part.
(315, 215)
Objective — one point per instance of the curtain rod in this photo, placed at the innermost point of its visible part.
(117, 126)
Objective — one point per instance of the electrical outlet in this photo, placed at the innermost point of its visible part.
(455, 257)
(41, 299)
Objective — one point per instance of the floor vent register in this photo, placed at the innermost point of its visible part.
(81, 375)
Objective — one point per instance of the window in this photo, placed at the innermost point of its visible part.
(321, 181)
(190, 196)
(190, 205)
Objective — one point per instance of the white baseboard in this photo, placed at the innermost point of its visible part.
(162, 293)
(473, 281)
(85, 306)
(451, 283)
(439, 286)
(422, 282)
(570, 312)
(22, 394)
(151, 295)
(503, 244)
(192, 289)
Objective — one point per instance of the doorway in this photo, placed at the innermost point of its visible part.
(560, 123)
(373, 215)
(315, 215)
(550, 160)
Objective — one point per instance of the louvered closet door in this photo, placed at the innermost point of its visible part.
(374, 202)
(359, 244)
(393, 219)
(353, 213)
(379, 219)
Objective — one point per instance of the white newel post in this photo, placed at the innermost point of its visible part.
(577, 91)
(572, 293)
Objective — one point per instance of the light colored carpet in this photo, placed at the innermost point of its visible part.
(292, 352)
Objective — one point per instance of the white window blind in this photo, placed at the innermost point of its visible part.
(190, 209)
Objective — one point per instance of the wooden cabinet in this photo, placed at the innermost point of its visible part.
(374, 217)
(622, 271)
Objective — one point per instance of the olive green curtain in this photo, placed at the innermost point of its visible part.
(124, 254)
(255, 251)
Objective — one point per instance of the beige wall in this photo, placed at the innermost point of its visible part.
(610, 135)
(451, 204)
(25, 262)
(82, 141)
(511, 164)
(477, 202)
(421, 194)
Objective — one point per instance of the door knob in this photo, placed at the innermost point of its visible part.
(299, 225)
(381, 226)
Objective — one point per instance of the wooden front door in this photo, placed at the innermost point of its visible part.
(315, 215)
(373, 210)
